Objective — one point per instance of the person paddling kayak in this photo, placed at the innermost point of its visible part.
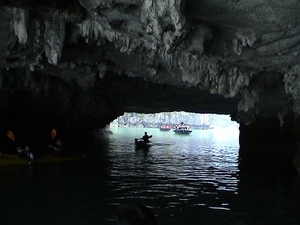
(26, 153)
(146, 137)
(57, 148)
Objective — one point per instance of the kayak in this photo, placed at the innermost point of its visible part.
(14, 160)
(141, 144)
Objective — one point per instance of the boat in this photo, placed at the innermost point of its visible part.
(182, 129)
(141, 144)
(16, 161)
(165, 127)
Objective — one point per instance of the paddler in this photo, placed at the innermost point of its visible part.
(25, 153)
(57, 148)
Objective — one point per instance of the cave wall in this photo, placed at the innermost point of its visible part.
(269, 144)
(166, 43)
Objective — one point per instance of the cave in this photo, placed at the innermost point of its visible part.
(77, 65)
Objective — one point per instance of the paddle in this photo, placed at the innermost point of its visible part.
(53, 134)
(10, 135)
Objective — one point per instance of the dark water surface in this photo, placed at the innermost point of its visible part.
(184, 179)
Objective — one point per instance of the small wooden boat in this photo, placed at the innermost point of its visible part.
(15, 161)
(141, 144)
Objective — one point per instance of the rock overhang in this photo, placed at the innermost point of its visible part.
(235, 57)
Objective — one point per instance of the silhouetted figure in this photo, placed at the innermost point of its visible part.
(146, 137)
(26, 153)
(134, 214)
(56, 148)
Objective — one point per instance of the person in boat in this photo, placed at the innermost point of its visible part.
(181, 125)
(21, 152)
(25, 153)
(134, 214)
(146, 137)
(56, 148)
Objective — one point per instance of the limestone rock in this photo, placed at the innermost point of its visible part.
(205, 56)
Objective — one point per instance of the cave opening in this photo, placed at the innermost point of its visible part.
(212, 126)
(198, 121)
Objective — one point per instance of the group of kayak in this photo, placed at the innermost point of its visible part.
(25, 152)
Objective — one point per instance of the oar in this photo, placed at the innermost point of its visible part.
(53, 134)
(10, 135)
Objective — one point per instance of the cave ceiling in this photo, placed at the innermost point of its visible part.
(97, 59)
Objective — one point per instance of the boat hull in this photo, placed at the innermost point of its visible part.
(141, 144)
(16, 161)
(165, 129)
(182, 131)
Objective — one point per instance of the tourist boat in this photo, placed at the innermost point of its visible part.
(182, 129)
(15, 160)
(165, 127)
(141, 144)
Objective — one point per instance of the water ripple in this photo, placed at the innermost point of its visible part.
(179, 172)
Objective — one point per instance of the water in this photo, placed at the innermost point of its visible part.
(184, 179)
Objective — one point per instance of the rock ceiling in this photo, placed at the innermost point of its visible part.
(98, 59)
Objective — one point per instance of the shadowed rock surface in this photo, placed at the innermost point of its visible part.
(79, 64)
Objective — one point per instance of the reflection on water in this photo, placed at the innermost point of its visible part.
(192, 179)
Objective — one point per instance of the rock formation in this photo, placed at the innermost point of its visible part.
(82, 63)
